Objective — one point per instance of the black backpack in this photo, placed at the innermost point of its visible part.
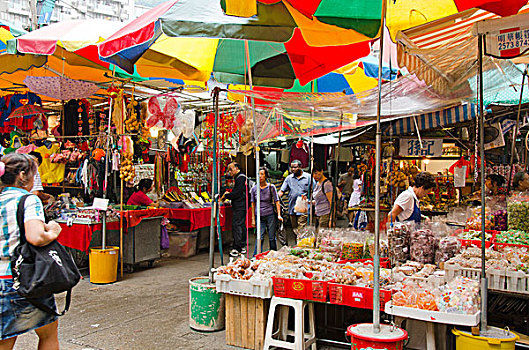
(42, 271)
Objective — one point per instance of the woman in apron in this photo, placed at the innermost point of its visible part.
(407, 205)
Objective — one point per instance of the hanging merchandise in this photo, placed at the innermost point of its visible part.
(75, 118)
(159, 172)
(117, 110)
(226, 128)
(10, 103)
(162, 118)
(132, 124)
(143, 118)
(50, 172)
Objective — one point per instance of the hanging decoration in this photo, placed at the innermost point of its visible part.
(132, 124)
(226, 128)
(162, 118)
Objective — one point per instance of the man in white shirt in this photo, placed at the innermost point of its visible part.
(406, 206)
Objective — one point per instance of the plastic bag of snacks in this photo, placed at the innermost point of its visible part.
(331, 241)
(353, 245)
(423, 244)
(460, 296)
(518, 212)
(448, 248)
(306, 237)
(398, 242)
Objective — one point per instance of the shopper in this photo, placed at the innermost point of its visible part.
(520, 181)
(38, 189)
(297, 185)
(19, 316)
(356, 196)
(239, 204)
(322, 195)
(406, 207)
(493, 183)
(139, 197)
(345, 182)
(270, 210)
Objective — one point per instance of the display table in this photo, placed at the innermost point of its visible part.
(79, 236)
(201, 217)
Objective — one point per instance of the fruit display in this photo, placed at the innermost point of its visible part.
(512, 237)
(518, 213)
(126, 169)
(397, 179)
(132, 123)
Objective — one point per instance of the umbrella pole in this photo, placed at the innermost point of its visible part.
(376, 257)
(257, 161)
(212, 227)
(482, 166)
(515, 132)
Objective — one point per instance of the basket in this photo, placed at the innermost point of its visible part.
(496, 277)
(355, 296)
(250, 288)
(517, 281)
(300, 289)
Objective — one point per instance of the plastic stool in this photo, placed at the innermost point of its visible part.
(302, 340)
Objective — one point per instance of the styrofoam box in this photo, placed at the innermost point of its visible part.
(432, 281)
(517, 281)
(433, 316)
(496, 277)
(250, 288)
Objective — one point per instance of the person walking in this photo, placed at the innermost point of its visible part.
(346, 181)
(18, 315)
(270, 210)
(239, 204)
(297, 185)
(322, 195)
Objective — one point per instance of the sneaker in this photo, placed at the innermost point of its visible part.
(243, 251)
(350, 224)
(234, 253)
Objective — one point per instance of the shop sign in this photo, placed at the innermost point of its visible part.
(504, 37)
(412, 148)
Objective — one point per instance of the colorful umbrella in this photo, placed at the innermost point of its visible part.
(27, 111)
(61, 88)
(8, 32)
(273, 63)
(364, 17)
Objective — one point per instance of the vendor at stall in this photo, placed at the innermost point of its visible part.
(406, 207)
(520, 181)
(493, 183)
(139, 197)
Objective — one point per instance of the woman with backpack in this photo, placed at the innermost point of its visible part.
(18, 315)
(270, 210)
(322, 197)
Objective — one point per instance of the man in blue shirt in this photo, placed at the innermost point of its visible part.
(297, 184)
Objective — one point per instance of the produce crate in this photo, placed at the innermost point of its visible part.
(496, 277)
(355, 296)
(499, 246)
(246, 321)
(477, 242)
(300, 289)
(384, 262)
(517, 281)
(251, 288)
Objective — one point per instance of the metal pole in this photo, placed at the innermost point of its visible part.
(311, 151)
(515, 132)
(104, 229)
(215, 200)
(257, 161)
(337, 158)
(482, 152)
(376, 257)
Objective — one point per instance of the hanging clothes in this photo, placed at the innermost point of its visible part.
(301, 154)
(50, 172)
(9, 103)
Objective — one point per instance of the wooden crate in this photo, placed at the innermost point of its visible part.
(246, 321)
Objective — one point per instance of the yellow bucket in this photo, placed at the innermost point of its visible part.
(467, 341)
(103, 264)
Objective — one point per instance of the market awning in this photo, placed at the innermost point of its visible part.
(442, 118)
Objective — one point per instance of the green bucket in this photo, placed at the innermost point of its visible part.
(206, 306)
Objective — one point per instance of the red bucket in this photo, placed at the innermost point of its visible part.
(389, 338)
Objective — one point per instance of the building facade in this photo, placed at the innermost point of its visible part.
(18, 12)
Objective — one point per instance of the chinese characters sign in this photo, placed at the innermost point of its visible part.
(412, 147)
(508, 43)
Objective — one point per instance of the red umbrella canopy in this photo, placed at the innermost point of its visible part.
(27, 111)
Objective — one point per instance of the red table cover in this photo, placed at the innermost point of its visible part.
(201, 217)
(78, 236)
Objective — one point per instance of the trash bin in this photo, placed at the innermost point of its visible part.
(493, 338)
(103, 264)
(206, 305)
(182, 244)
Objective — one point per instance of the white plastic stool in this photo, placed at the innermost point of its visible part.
(302, 340)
